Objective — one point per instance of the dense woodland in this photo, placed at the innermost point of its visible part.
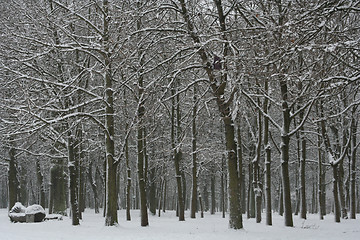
(231, 106)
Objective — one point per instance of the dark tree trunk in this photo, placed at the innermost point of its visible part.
(281, 201)
(13, 180)
(205, 196)
(128, 182)
(251, 195)
(335, 193)
(161, 196)
(40, 181)
(302, 173)
(73, 170)
(235, 219)
(212, 190)
(285, 139)
(256, 169)
(242, 187)
(194, 194)
(353, 129)
(93, 187)
(141, 174)
(80, 168)
(267, 161)
(165, 195)
(201, 206)
(58, 183)
(111, 164)
(222, 181)
(180, 200)
(152, 191)
(177, 153)
(320, 180)
(82, 188)
(184, 191)
(341, 190)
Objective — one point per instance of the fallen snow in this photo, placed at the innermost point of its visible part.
(167, 227)
(34, 209)
(18, 208)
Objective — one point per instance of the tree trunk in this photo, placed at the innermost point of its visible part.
(141, 174)
(128, 182)
(73, 182)
(180, 200)
(285, 139)
(201, 206)
(267, 161)
(111, 191)
(93, 187)
(79, 155)
(353, 129)
(184, 191)
(281, 200)
(335, 193)
(251, 195)
(222, 182)
(51, 193)
(40, 181)
(152, 191)
(194, 194)
(212, 190)
(302, 171)
(242, 187)
(12, 179)
(177, 152)
(297, 178)
(58, 183)
(161, 195)
(320, 179)
(165, 196)
(235, 219)
(256, 169)
(341, 190)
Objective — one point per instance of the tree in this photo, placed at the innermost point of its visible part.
(235, 220)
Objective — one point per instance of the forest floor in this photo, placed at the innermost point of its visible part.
(167, 227)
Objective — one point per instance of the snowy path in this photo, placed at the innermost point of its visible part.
(168, 228)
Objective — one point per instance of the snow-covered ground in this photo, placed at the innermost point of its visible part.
(167, 227)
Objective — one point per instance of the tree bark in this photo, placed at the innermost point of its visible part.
(251, 195)
(73, 182)
(142, 184)
(152, 191)
(177, 155)
(141, 158)
(212, 190)
(281, 200)
(320, 179)
(93, 187)
(128, 182)
(40, 181)
(58, 184)
(353, 130)
(267, 160)
(285, 139)
(111, 191)
(222, 181)
(335, 193)
(194, 194)
(13, 180)
(302, 172)
(256, 169)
